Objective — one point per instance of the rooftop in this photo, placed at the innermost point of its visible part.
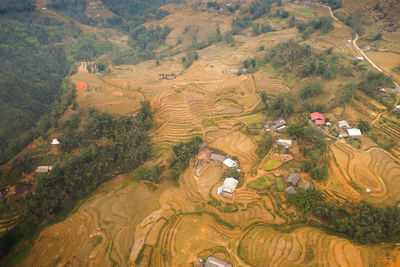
(229, 185)
(290, 190)
(230, 163)
(293, 179)
(215, 262)
(354, 132)
(317, 116)
(217, 157)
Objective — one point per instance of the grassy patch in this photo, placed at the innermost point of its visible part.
(307, 12)
(99, 239)
(259, 185)
(269, 164)
(40, 148)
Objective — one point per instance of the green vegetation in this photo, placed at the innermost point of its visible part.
(355, 22)
(137, 12)
(364, 223)
(189, 58)
(265, 145)
(269, 165)
(146, 173)
(334, 4)
(324, 24)
(301, 59)
(259, 185)
(233, 173)
(396, 69)
(311, 89)
(363, 125)
(319, 173)
(75, 176)
(185, 151)
(312, 144)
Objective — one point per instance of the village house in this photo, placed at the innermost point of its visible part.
(55, 142)
(43, 169)
(278, 125)
(359, 58)
(290, 190)
(318, 118)
(396, 108)
(215, 262)
(230, 163)
(228, 187)
(217, 157)
(285, 143)
(343, 124)
(292, 179)
(308, 185)
(354, 133)
(22, 187)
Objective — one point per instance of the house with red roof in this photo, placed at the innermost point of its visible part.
(318, 118)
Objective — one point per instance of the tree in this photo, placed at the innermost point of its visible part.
(295, 130)
(319, 173)
(311, 89)
(364, 125)
(233, 173)
(265, 145)
(151, 174)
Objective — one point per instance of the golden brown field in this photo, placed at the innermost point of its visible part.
(127, 223)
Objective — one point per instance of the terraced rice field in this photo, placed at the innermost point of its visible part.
(265, 82)
(240, 145)
(263, 246)
(112, 214)
(375, 169)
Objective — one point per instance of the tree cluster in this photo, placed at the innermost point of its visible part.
(323, 23)
(301, 59)
(75, 176)
(185, 151)
(364, 222)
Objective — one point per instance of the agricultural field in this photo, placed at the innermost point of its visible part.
(125, 222)
(374, 168)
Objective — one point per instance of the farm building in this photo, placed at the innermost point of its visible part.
(360, 58)
(44, 168)
(22, 187)
(217, 157)
(55, 142)
(354, 133)
(278, 125)
(290, 190)
(215, 262)
(307, 185)
(284, 142)
(228, 187)
(230, 163)
(343, 124)
(292, 179)
(396, 108)
(318, 118)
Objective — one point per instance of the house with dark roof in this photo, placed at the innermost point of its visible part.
(290, 190)
(217, 157)
(292, 179)
(307, 185)
(22, 187)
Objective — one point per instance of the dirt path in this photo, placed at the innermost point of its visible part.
(357, 48)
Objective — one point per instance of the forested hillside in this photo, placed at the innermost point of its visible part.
(31, 69)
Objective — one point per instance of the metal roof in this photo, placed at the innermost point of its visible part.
(229, 185)
(354, 132)
(215, 262)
